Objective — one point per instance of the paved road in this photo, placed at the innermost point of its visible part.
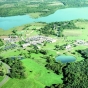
(6, 78)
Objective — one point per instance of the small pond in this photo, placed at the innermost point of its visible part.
(65, 59)
(19, 57)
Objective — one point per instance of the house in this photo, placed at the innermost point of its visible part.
(53, 40)
(6, 39)
(80, 42)
(11, 39)
(25, 45)
(37, 40)
(68, 47)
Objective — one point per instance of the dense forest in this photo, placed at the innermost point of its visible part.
(56, 67)
(76, 75)
(84, 53)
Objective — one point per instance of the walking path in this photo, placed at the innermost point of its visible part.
(6, 78)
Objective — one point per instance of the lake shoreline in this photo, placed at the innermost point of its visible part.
(58, 16)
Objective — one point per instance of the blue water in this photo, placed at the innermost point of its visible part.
(65, 59)
(60, 15)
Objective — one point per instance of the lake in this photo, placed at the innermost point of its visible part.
(65, 59)
(60, 15)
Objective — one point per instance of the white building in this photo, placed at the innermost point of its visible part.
(25, 45)
(68, 47)
(80, 42)
(6, 39)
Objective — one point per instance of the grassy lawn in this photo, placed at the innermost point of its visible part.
(10, 53)
(36, 57)
(35, 15)
(20, 29)
(54, 3)
(74, 34)
(34, 5)
(1, 78)
(38, 78)
(4, 32)
(28, 32)
(40, 72)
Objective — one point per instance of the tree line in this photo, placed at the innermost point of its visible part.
(56, 28)
(84, 53)
(17, 70)
(51, 64)
(75, 74)
(1, 43)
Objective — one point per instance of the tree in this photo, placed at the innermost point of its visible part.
(57, 47)
(17, 70)
(1, 43)
(43, 51)
(76, 78)
(14, 31)
(56, 67)
(1, 73)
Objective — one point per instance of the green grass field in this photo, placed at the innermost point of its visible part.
(37, 78)
(1, 78)
(21, 30)
(35, 15)
(74, 34)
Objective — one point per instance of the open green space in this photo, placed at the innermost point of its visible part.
(70, 34)
(38, 68)
(35, 15)
(1, 78)
(37, 77)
